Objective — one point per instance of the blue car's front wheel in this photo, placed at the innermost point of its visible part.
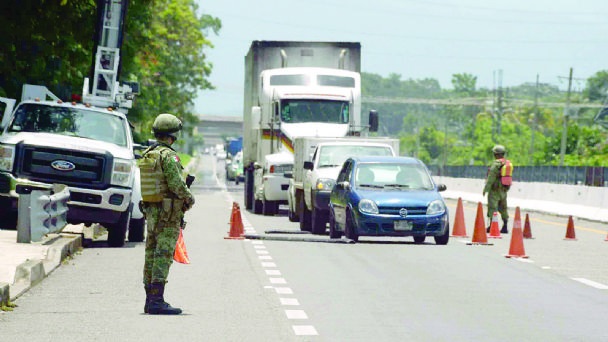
(350, 229)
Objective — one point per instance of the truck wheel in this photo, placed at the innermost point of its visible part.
(305, 217)
(137, 229)
(118, 231)
(319, 221)
(293, 217)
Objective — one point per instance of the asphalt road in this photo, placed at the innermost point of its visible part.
(307, 290)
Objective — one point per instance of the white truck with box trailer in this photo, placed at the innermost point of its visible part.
(316, 167)
(294, 89)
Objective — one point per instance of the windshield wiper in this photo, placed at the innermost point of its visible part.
(328, 165)
(372, 186)
(397, 185)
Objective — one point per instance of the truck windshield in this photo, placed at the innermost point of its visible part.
(335, 155)
(298, 111)
(70, 121)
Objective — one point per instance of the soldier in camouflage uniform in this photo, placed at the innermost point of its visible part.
(165, 199)
(497, 192)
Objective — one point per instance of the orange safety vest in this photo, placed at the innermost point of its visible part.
(506, 172)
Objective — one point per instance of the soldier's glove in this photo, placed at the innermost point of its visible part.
(188, 203)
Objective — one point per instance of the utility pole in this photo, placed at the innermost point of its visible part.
(565, 128)
(500, 105)
(534, 122)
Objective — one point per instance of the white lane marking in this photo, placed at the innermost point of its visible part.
(277, 280)
(591, 283)
(546, 267)
(256, 242)
(259, 247)
(262, 252)
(273, 272)
(304, 330)
(265, 257)
(289, 301)
(296, 314)
(283, 290)
(269, 264)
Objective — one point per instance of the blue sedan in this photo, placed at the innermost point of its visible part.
(387, 196)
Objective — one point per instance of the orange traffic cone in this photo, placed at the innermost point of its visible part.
(236, 223)
(516, 250)
(479, 234)
(494, 230)
(181, 255)
(570, 235)
(459, 228)
(527, 229)
(606, 239)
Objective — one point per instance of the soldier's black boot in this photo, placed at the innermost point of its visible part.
(504, 229)
(147, 288)
(157, 304)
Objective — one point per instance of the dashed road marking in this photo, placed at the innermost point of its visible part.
(304, 330)
(289, 301)
(259, 251)
(269, 264)
(265, 257)
(273, 272)
(283, 290)
(591, 283)
(296, 314)
(277, 280)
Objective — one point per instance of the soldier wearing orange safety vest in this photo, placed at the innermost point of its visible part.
(498, 182)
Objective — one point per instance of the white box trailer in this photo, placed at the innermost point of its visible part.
(297, 89)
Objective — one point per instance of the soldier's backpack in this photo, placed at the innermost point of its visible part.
(153, 184)
(506, 172)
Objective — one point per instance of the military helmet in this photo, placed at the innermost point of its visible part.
(167, 124)
(499, 149)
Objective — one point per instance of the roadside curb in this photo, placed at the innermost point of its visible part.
(32, 272)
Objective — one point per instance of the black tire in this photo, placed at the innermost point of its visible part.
(419, 238)
(318, 221)
(305, 217)
(333, 233)
(443, 239)
(269, 208)
(118, 231)
(137, 228)
(257, 206)
(350, 230)
(293, 217)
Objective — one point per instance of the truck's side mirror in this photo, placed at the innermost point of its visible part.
(373, 121)
(441, 187)
(308, 165)
(256, 114)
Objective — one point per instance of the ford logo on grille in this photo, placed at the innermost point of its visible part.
(63, 165)
(403, 212)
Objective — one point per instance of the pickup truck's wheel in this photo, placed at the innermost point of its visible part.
(118, 231)
(257, 206)
(305, 217)
(137, 229)
(319, 221)
(293, 217)
(350, 230)
(333, 232)
(269, 208)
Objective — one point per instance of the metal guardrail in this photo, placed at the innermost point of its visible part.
(42, 212)
(576, 175)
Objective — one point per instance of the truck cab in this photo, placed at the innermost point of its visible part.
(89, 149)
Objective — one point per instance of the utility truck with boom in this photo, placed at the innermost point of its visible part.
(295, 89)
(87, 146)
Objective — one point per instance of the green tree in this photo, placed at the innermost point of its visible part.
(464, 83)
(597, 86)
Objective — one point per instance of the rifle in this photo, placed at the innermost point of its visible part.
(189, 180)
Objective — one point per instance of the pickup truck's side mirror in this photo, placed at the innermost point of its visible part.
(257, 166)
(288, 174)
(441, 187)
(343, 185)
(308, 165)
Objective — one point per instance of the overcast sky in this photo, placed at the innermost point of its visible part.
(417, 39)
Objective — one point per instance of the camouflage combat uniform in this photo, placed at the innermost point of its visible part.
(164, 218)
(497, 193)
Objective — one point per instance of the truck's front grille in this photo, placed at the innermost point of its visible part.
(86, 168)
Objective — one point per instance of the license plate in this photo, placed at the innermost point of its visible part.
(403, 225)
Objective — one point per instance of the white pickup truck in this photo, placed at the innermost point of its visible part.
(89, 149)
(317, 162)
